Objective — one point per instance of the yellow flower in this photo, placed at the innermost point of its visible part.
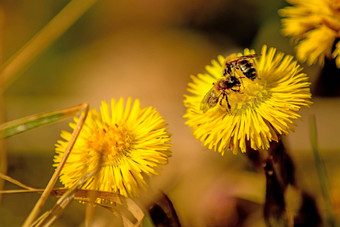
(260, 111)
(128, 144)
(315, 26)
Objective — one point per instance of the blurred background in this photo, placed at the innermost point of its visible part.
(148, 50)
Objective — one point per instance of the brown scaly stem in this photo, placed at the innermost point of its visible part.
(280, 171)
(283, 163)
(163, 213)
(274, 207)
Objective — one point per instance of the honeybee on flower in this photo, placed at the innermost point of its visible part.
(260, 110)
(229, 83)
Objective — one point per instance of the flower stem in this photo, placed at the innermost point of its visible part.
(163, 213)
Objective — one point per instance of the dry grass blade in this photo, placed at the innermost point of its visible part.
(34, 213)
(52, 31)
(26, 123)
(126, 209)
(84, 196)
(19, 184)
(80, 195)
(136, 211)
(92, 195)
(13, 181)
(49, 217)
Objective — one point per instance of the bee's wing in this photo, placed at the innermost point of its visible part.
(209, 100)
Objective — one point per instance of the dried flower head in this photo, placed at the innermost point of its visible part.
(128, 144)
(260, 110)
(315, 26)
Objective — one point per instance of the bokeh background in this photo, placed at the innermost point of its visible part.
(147, 50)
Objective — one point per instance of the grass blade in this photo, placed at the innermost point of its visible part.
(17, 126)
(48, 218)
(15, 182)
(322, 175)
(56, 174)
(125, 208)
(52, 31)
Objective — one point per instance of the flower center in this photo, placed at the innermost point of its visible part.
(252, 92)
(111, 141)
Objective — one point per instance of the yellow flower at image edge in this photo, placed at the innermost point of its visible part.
(127, 143)
(260, 111)
(315, 26)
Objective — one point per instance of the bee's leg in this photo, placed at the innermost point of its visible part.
(221, 100)
(225, 72)
(241, 80)
(228, 70)
(226, 99)
(238, 88)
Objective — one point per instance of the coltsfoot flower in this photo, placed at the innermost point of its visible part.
(315, 26)
(128, 143)
(259, 109)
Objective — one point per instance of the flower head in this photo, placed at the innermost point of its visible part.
(127, 143)
(315, 26)
(260, 109)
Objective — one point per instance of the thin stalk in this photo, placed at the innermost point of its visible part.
(322, 175)
(3, 150)
(89, 213)
(15, 182)
(45, 37)
(49, 217)
(34, 213)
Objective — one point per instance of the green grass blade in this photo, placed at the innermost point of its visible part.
(322, 174)
(17, 126)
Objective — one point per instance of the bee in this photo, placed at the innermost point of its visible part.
(219, 92)
(244, 64)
